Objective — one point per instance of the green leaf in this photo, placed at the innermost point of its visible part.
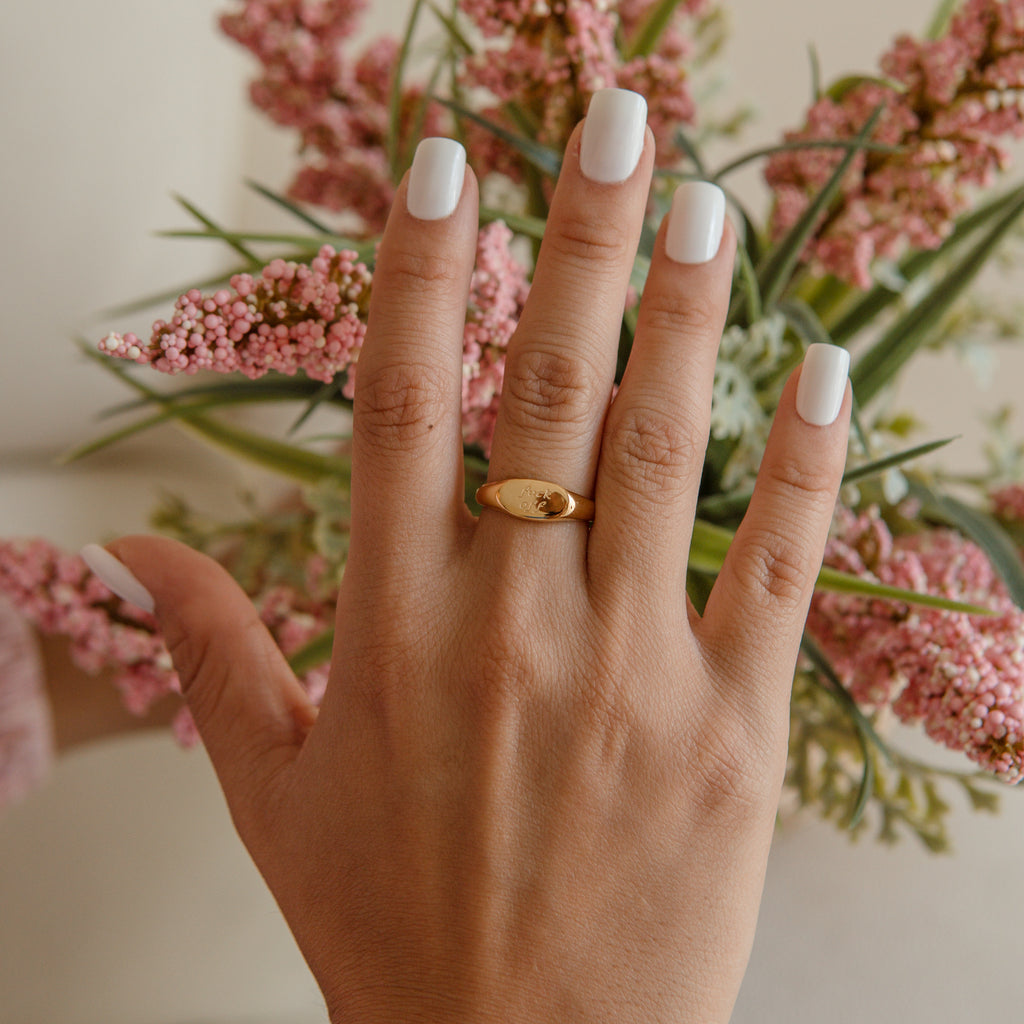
(842, 583)
(313, 654)
(688, 147)
(749, 297)
(286, 459)
(541, 157)
(423, 101)
(286, 204)
(981, 528)
(395, 160)
(327, 393)
(272, 387)
(877, 466)
(805, 323)
(842, 86)
(650, 30)
(174, 409)
(866, 734)
(455, 34)
(815, 61)
(113, 437)
(719, 506)
(803, 320)
(782, 259)
(203, 219)
(865, 311)
(520, 223)
(711, 542)
(751, 241)
(879, 365)
(307, 245)
(981, 799)
(941, 19)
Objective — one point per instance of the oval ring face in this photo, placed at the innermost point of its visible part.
(535, 499)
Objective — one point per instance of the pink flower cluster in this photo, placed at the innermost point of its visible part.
(549, 58)
(291, 317)
(960, 676)
(57, 594)
(497, 292)
(953, 102)
(313, 318)
(1008, 503)
(340, 106)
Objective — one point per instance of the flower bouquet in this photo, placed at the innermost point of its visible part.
(885, 203)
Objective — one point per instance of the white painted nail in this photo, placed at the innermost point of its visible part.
(819, 395)
(613, 135)
(435, 180)
(695, 222)
(116, 576)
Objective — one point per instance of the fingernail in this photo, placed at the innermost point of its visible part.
(435, 179)
(819, 395)
(695, 222)
(116, 576)
(613, 135)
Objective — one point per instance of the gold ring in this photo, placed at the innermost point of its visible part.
(535, 499)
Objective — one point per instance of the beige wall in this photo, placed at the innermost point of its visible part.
(124, 896)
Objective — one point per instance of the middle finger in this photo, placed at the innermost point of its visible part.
(561, 360)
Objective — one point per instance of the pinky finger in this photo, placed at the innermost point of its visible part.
(757, 609)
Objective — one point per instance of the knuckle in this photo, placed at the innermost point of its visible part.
(733, 781)
(653, 454)
(734, 761)
(205, 675)
(672, 312)
(545, 388)
(410, 271)
(777, 570)
(581, 240)
(397, 406)
(812, 486)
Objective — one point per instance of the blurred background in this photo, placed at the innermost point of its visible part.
(124, 896)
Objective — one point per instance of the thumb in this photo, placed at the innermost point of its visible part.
(250, 710)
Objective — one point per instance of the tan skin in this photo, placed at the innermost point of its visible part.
(540, 786)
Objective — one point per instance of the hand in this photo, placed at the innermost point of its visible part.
(540, 786)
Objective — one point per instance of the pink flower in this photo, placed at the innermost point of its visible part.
(1008, 503)
(956, 101)
(291, 317)
(313, 318)
(339, 105)
(960, 676)
(497, 292)
(57, 594)
(548, 59)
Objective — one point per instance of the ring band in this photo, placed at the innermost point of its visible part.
(535, 499)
